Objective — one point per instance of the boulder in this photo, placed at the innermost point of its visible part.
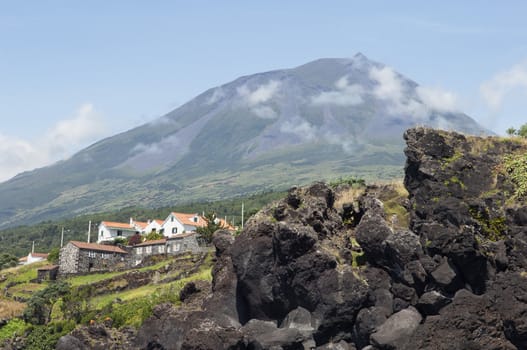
(395, 332)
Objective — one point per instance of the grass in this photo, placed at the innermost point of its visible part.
(393, 199)
(25, 290)
(10, 309)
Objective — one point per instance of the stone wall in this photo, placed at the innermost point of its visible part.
(68, 260)
(94, 261)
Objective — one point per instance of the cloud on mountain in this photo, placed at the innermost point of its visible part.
(437, 99)
(390, 87)
(496, 89)
(345, 95)
(256, 99)
(59, 142)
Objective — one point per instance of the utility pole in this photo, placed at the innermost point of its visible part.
(242, 214)
(89, 231)
(62, 237)
(33, 248)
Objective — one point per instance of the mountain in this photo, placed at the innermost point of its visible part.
(321, 120)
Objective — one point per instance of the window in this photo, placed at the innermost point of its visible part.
(92, 254)
(139, 250)
(154, 229)
(195, 219)
(172, 218)
(148, 249)
(177, 246)
(174, 229)
(119, 233)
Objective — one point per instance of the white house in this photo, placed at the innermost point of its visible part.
(178, 223)
(108, 231)
(32, 258)
(153, 226)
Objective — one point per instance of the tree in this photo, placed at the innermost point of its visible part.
(152, 236)
(213, 224)
(521, 132)
(7, 260)
(38, 310)
(135, 239)
(511, 131)
(53, 256)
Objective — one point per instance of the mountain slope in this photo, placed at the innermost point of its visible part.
(270, 130)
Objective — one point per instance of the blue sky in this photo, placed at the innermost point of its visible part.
(72, 72)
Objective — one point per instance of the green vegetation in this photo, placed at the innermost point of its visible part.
(516, 167)
(349, 181)
(213, 224)
(521, 132)
(53, 309)
(7, 260)
(494, 228)
(15, 326)
(447, 161)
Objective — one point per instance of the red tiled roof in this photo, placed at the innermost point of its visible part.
(22, 259)
(186, 219)
(152, 242)
(159, 222)
(141, 224)
(99, 247)
(40, 255)
(119, 225)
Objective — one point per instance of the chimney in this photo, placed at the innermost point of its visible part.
(131, 221)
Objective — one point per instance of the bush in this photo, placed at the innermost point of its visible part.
(15, 326)
(46, 337)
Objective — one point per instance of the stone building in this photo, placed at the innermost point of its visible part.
(82, 257)
(48, 272)
(173, 245)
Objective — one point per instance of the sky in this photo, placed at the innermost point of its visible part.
(74, 72)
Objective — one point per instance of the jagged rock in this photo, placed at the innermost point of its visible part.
(446, 277)
(395, 332)
(189, 289)
(69, 342)
(371, 234)
(431, 302)
(266, 335)
(469, 322)
(367, 321)
(300, 319)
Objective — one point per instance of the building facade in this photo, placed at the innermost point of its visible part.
(82, 257)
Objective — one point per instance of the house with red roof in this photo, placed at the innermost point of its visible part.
(32, 258)
(109, 230)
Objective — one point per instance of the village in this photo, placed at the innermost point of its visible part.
(121, 246)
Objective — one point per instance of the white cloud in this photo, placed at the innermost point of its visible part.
(391, 89)
(265, 112)
(217, 95)
(300, 128)
(256, 99)
(262, 94)
(389, 86)
(345, 95)
(503, 83)
(59, 142)
(437, 99)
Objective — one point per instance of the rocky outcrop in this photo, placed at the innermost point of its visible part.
(296, 278)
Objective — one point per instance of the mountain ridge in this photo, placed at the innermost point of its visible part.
(326, 118)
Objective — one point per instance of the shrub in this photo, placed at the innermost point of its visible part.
(15, 326)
